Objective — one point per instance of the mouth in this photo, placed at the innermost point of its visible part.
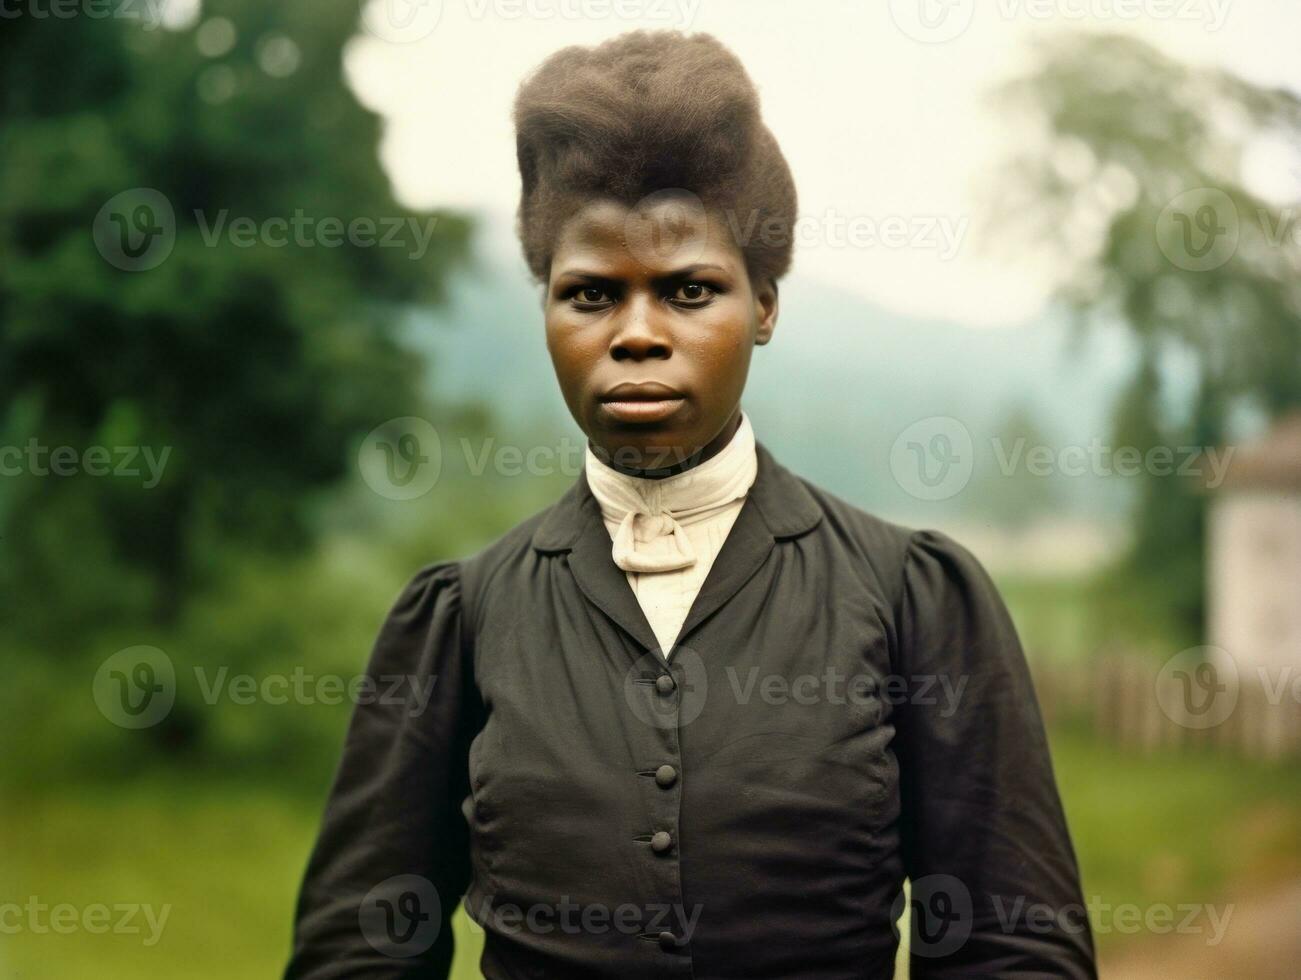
(644, 401)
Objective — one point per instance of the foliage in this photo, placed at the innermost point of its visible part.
(1133, 175)
(257, 365)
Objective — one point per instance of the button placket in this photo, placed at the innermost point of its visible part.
(663, 768)
(664, 808)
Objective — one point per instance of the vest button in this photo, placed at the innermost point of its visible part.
(665, 776)
(668, 941)
(661, 841)
(664, 684)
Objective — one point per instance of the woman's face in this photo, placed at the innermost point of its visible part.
(651, 317)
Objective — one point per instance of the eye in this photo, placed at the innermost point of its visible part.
(692, 294)
(589, 297)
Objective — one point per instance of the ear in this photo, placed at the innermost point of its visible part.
(765, 309)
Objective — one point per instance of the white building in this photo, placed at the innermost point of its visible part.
(1254, 555)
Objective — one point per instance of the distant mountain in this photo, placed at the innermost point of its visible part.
(840, 381)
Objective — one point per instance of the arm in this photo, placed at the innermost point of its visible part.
(996, 890)
(391, 861)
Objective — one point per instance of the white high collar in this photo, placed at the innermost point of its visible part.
(650, 513)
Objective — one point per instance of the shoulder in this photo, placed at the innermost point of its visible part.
(442, 595)
(884, 541)
(896, 556)
(474, 576)
(943, 607)
(433, 592)
(876, 548)
(508, 549)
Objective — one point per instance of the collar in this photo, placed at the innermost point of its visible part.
(783, 503)
(688, 496)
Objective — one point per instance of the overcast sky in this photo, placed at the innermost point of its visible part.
(878, 107)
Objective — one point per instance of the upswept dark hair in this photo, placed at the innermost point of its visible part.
(651, 111)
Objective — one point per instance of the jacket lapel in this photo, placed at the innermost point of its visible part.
(778, 507)
(743, 553)
(604, 582)
(574, 525)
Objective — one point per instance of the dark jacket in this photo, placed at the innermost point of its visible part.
(847, 705)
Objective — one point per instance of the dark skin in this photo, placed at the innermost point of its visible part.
(674, 324)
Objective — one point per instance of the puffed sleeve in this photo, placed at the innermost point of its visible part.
(391, 861)
(995, 886)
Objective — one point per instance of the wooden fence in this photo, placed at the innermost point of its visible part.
(1140, 703)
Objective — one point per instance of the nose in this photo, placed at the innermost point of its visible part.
(641, 332)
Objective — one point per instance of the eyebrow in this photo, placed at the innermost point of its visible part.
(675, 274)
(584, 274)
(698, 267)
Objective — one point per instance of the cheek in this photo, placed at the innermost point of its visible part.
(726, 345)
(574, 351)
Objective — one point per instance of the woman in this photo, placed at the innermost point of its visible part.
(699, 718)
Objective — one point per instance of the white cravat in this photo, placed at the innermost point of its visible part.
(666, 533)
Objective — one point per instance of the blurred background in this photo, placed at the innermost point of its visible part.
(267, 346)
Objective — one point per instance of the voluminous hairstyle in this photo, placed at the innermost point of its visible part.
(644, 112)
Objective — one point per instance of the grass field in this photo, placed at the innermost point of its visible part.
(1166, 830)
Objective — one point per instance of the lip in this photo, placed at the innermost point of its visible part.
(641, 401)
(641, 391)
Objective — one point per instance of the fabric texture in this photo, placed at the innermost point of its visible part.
(666, 533)
(848, 705)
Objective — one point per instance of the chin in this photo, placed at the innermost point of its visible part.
(647, 447)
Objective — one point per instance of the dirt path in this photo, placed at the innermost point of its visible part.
(1262, 941)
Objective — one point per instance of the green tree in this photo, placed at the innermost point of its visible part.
(1131, 172)
(258, 360)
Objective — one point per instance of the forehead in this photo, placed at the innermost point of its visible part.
(658, 235)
